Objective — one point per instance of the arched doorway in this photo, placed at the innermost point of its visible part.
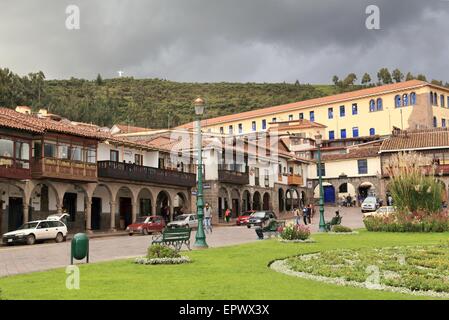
(328, 192)
(163, 205)
(246, 201)
(235, 198)
(257, 201)
(366, 189)
(125, 204)
(266, 201)
(101, 208)
(145, 202)
(281, 200)
(180, 204)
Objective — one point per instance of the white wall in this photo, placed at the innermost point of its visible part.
(349, 167)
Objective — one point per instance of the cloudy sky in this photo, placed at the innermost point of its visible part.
(218, 40)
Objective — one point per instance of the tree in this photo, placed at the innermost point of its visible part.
(335, 80)
(366, 79)
(384, 76)
(349, 80)
(99, 80)
(437, 82)
(409, 77)
(397, 75)
(421, 77)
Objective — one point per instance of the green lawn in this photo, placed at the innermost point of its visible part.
(237, 272)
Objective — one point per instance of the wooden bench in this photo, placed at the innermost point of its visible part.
(271, 229)
(174, 237)
(335, 221)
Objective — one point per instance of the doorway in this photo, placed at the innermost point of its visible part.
(15, 214)
(96, 213)
(125, 212)
(69, 204)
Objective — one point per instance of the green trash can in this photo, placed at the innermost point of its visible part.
(80, 247)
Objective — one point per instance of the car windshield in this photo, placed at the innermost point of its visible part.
(246, 213)
(29, 225)
(141, 219)
(181, 217)
(370, 200)
(259, 214)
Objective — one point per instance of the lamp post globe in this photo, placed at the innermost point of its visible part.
(200, 237)
(322, 226)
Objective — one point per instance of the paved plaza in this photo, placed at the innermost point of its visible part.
(40, 257)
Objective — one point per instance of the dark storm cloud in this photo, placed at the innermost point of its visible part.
(204, 40)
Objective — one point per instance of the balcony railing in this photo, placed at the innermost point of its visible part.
(14, 169)
(64, 169)
(295, 180)
(133, 172)
(235, 174)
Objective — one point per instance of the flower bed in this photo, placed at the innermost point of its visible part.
(413, 222)
(180, 260)
(422, 270)
(294, 232)
(159, 254)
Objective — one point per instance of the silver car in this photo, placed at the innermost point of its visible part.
(184, 221)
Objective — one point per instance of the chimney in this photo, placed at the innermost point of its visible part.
(23, 109)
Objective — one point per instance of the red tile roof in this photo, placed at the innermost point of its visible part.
(417, 139)
(353, 153)
(313, 102)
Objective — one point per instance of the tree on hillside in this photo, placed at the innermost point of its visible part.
(384, 76)
(421, 77)
(335, 80)
(409, 76)
(99, 80)
(366, 79)
(437, 82)
(349, 80)
(397, 75)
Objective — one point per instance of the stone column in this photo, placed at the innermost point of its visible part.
(134, 211)
(113, 209)
(172, 209)
(26, 212)
(88, 213)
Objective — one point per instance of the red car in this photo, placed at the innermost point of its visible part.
(243, 219)
(146, 224)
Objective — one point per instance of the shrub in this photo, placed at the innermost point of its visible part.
(295, 232)
(158, 251)
(339, 228)
(416, 222)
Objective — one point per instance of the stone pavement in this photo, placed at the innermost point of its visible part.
(40, 257)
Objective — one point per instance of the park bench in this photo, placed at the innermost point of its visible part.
(271, 229)
(335, 221)
(174, 237)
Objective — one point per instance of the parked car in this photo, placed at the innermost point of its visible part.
(370, 204)
(184, 221)
(146, 225)
(243, 218)
(33, 231)
(382, 211)
(257, 218)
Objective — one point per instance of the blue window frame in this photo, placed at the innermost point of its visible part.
(442, 101)
(405, 99)
(443, 123)
(379, 104)
(435, 124)
(372, 106)
(412, 98)
(355, 132)
(363, 166)
(397, 101)
(354, 109)
(254, 126)
(342, 111)
(372, 132)
(312, 115)
(240, 128)
(331, 135)
(330, 113)
(301, 116)
(264, 124)
(343, 133)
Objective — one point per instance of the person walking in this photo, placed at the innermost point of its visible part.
(297, 213)
(304, 214)
(208, 218)
(310, 212)
(227, 215)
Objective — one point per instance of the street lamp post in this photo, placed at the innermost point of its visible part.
(318, 139)
(200, 238)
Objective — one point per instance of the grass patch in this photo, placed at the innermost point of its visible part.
(237, 272)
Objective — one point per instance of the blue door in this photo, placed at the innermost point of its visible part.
(329, 194)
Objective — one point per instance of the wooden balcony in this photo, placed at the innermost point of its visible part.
(133, 172)
(233, 174)
(64, 169)
(295, 180)
(12, 169)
